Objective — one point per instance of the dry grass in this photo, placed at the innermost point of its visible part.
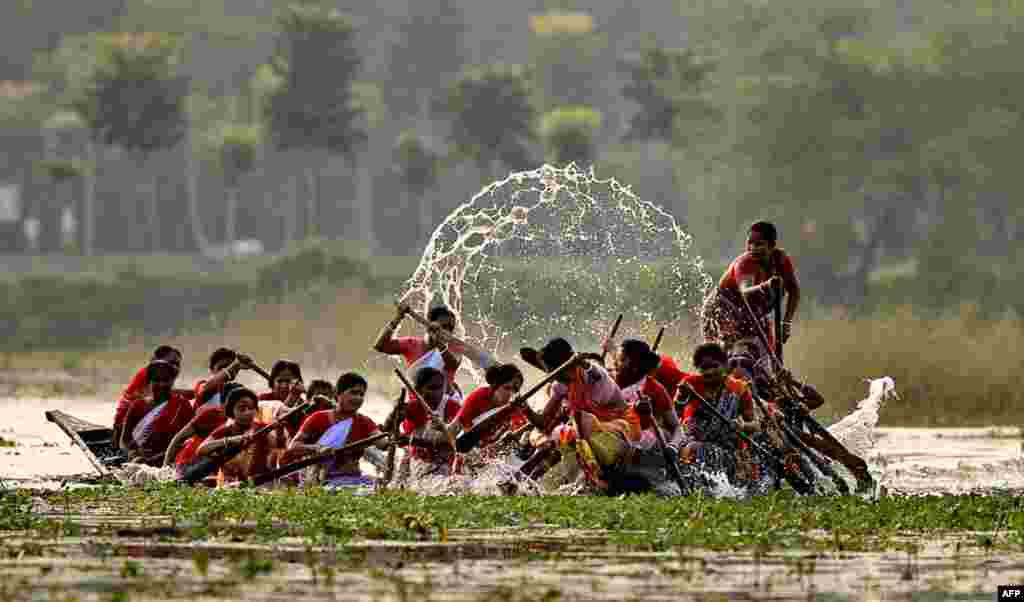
(956, 371)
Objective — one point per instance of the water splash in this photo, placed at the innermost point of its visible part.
(557, 251)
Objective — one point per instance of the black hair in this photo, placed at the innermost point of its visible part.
(282, 365)
(319, 383)
(350, 379)
(556, 352)
(499, 374)
(163, 351)
(234, 397)
(424, 374)
(712, 350)
(220, 355)
(766, 230)
(438, 312)
(156, 366)
(640, 353)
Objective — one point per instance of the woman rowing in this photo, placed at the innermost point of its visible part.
(151, 422)
(240, 431)
(334, 428)
(708, 444)
(503, 384)
(181, 452)
(603, 423)
(139, 386)
(426, 423)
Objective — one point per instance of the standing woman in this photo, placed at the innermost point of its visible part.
(753, 280)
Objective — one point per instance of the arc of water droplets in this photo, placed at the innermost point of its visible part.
(557, 251)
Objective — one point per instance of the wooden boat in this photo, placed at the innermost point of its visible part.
(95, 441)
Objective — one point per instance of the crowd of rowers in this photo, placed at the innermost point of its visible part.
(615, 428)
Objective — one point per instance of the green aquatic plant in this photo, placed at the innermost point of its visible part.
(772, 522)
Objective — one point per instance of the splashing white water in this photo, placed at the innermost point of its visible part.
(557, 251)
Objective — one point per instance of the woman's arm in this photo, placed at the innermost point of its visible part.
(385, 340)
(177, 441)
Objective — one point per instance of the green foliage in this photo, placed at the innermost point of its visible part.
(305, 108)
(670, 87)
(85, 309)
(568, 134)
(416, 163)
(235, 146)
(61, 169)
(564, 52)
(775, 521)
(427, 54)
(492, 115)
(130, 94)
(24, 104)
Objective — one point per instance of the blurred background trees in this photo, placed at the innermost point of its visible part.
(880, 136)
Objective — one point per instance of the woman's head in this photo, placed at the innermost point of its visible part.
(241, 405)
(284, 374)
(505, 381)
(161, 376)
(430, 384)
(761, 238)
(221, 358)
(711, 362)
(320, 387)
(351, 392)
(168, 354)
(635, 359)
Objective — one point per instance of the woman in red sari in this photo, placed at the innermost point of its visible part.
(151, 422)
(240, 430)
(334, 428)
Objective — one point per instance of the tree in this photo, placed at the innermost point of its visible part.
(564, 49)
(417, 166)
(234, 147)
(671, 88)
(568, 134)
(132, 97)
(62, 167)
(492, 117)
(428, 54)
(312, 108)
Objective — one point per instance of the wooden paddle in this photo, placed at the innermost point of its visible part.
(471, 438)
(389, 467)
(657, 339)
(611, 337)
(316, 459)
(426, 408)
(805, 416)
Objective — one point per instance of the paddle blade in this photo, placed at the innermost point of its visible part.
(467, 441)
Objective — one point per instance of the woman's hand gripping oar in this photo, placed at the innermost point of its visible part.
(208, 465)
(787, 386)
(437, 422)
(671, 456)
(396, 421)
(471, 438)
(799, 484)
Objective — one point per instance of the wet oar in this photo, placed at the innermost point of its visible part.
(208, 465)
(791, 402)
(471, 438)
(389, 467)
(316, 459)
(796, 481)
(657, 339)
(611, 337)
(426, 408)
